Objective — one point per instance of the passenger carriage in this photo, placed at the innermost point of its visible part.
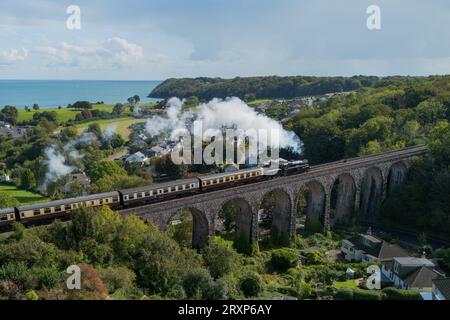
(7, 216)
(62, 207)
(158, 191)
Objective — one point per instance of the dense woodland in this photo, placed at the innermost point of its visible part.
(259, 87)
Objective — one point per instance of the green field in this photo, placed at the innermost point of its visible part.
(257, 101)
(23, 196)
(65, 114)
(346, 284)
(122, 124)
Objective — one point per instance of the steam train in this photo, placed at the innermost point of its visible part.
(129, 198)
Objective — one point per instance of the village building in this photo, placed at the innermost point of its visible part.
(411, 273)
(137, 157)
(441, 289)
(368, 248)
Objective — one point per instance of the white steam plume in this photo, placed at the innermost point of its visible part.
(218, 114)
(56, 165)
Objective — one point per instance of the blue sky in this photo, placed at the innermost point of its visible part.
(157, 39)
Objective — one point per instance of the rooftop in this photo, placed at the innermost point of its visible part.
(443, 285)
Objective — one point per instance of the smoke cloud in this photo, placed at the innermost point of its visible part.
(56, 165)
(216, 115)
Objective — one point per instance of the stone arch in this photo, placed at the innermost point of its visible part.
(200, 225)
(372, 193)
(242, 216)
(316, 196)
(276, 211)
(397, 174)
(343, 197)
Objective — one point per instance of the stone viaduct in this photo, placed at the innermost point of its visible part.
(358, 186)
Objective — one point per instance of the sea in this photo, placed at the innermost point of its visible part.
(55, 93)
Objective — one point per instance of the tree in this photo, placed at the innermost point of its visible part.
(283, 259)
(105, 168)
(136, 99)
(35, 106)
(27, 179)
(219, 258)
(118, 109)
(251, 285)
(9, 114)
(7, 201)
(82, 105)
(196, 282)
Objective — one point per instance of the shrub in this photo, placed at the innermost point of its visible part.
(219, 258)
(251, 285)
(195, 282)
(283, 259)
(117, 278)
(360, 294)
(313, 256)
(31, 295)
(344, 294)
(397, 294)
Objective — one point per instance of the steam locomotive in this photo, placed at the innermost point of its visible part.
(129, 198)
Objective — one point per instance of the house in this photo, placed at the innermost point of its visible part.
(4, 124)
(368, 248)
(411, 273)
(441, 289)
(137, 157)
(79, 177)
(157, 151)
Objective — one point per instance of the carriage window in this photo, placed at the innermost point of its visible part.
(57, 209)
(4, 218)
(160, 191)
(47, 210)
(36, 212)
(192, 185)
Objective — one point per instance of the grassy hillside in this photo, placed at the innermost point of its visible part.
(66, 114)
(122, 124)
(23, 196)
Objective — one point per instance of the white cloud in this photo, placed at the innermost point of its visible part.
(13, 55)
(113, 53)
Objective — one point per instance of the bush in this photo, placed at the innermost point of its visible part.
(219, 258)
(397, 294)
(360, 294)
(242, 244)
(31, 295)
(251, 285)
(344, 294)
(283, 259)
(313, 256)
(196, 282)
(117, 278)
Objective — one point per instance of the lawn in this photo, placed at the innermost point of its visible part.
(122, 125)
(346, 284)
(23, 196)
(257, 101)
(64, 114)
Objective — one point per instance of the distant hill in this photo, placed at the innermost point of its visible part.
(251, 88)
